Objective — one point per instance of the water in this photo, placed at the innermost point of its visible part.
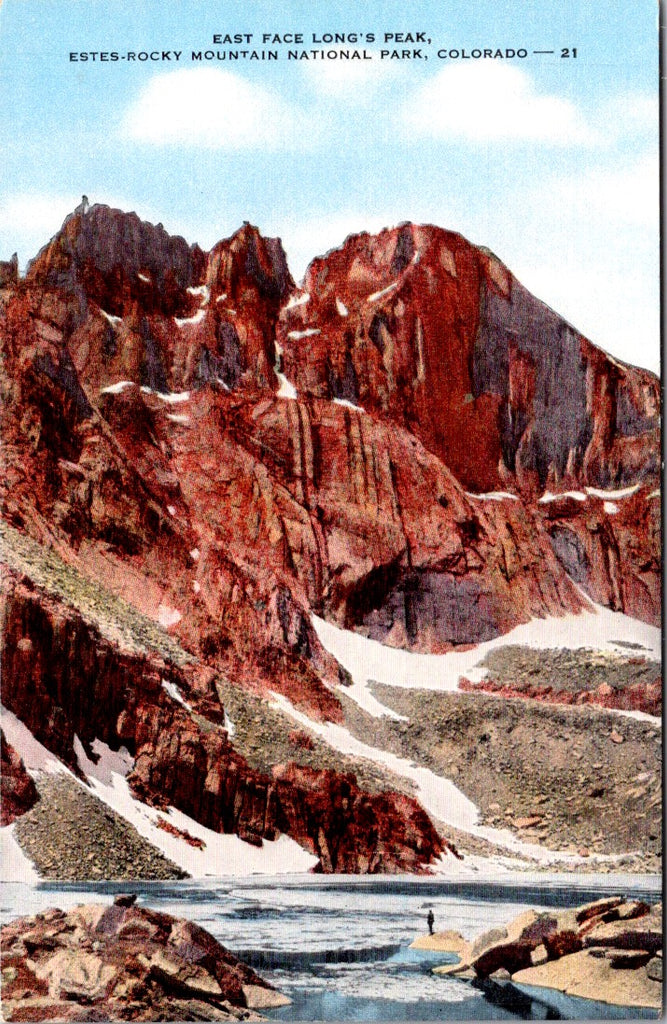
(338, 946)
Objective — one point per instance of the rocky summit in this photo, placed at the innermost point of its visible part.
(200, 457)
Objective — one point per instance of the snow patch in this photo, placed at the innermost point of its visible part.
(172, 690)
(341, 308)
(16, 866)
(221, 298)
(167, 616)
(201, 289)
(173, 397)
(34, 754)
(185, 321)
(171, 510)
(298, 300)
(178, 417)
(624, 492)
(474, 866)
(109, 762)
(194, 554)
(229, 726)
(115, 320)
(639, 716)
(348, 404)
(115, 389)
(548, 496)
(308, 333)
(493, 496)
(610, 508)
(144, 277)
(196, 586)
(286, 389)
(385, 291)
(369, 661)
(654, 494)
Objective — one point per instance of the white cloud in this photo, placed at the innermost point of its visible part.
(486, 102)
(356, 81)
(211, 109)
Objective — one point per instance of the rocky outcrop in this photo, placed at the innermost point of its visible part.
(609, 950)
(347, 829)
(147, 307)
(627, 682)
(118, 262)
(123, 962)
(644, 697)
(9, 271)
(418, 325)
(609, 544)
(18, 790)
(65, 681)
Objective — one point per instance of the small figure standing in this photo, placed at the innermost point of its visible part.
(431, 921)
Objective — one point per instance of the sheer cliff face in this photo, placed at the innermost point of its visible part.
(230, 454)
(418, 326)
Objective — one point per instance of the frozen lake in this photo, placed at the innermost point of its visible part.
(338, 946)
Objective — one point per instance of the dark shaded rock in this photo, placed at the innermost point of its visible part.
(9, 271)
(18, 790)
(125, 899)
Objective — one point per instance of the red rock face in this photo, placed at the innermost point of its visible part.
(419, 326)
(18, 790)
(64, 679)
(644, 697)
(146, 441)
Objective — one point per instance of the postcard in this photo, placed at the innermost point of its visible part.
(331, 504)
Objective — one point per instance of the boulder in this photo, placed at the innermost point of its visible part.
(123, 962)
(600, 950)
(643, 932)
(442, 942)
(597, 908)
(589, 977)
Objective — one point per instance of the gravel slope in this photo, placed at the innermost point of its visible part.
(579, 779)
(71, 835)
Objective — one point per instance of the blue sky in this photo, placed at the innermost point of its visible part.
(551, 162)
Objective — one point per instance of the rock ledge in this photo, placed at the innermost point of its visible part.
(609, 950)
